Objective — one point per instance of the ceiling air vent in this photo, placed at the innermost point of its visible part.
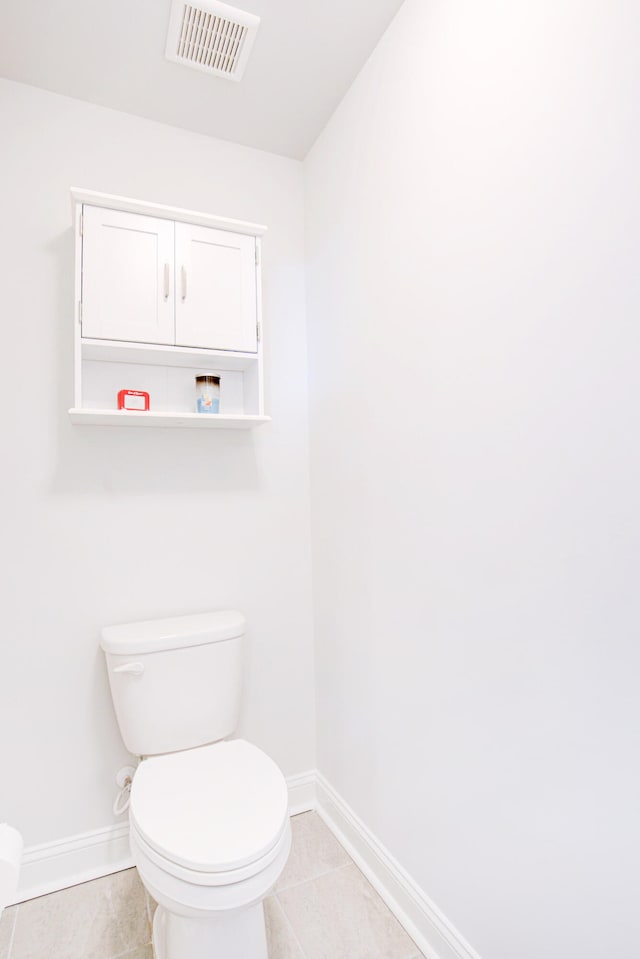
(211, 36)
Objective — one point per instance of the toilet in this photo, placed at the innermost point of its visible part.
(208, 816)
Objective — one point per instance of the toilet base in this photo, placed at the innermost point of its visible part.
(237, 934)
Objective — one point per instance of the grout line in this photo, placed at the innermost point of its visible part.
(320, 875)
(13, 932)
(147, 901)
(150, 918)
(291, 929)
(120, 955)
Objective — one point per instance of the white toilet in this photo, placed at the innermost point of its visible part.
(209, 822)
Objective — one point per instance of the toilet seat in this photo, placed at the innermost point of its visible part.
(210, 879)
(211, 815)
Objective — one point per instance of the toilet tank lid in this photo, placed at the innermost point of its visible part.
(176, 632)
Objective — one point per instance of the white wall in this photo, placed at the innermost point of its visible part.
(473, 302)
(107, 525)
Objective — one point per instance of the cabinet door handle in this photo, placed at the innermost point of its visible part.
(183, 280)
(166, 281)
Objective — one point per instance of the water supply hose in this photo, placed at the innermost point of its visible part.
(123, 798)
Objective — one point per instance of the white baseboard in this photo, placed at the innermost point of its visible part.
(431, 931)
(90, 855)
(302, 792)
(68, 862)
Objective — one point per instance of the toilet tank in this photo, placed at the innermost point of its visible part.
(176, 683)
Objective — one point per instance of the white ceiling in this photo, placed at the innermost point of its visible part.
(111, 52)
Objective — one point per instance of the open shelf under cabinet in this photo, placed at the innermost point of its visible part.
(87, 417)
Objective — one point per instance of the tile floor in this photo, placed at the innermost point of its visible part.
(322, 908)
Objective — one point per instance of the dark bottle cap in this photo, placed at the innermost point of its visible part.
(214, 380)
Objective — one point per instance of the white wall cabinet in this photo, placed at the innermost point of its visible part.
(149, 280)
(164, 295)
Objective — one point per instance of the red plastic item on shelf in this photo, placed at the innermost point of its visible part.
(133, 400)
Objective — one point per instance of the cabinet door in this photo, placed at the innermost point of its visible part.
(215, 289)
(127, 276)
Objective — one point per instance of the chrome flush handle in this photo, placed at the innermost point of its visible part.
(136, 669)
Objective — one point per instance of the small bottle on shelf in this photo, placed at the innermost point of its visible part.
(207, 394)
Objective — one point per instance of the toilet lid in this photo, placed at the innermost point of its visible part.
(214, 808)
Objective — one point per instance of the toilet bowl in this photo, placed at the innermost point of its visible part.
(208, 816)
(206, 850)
